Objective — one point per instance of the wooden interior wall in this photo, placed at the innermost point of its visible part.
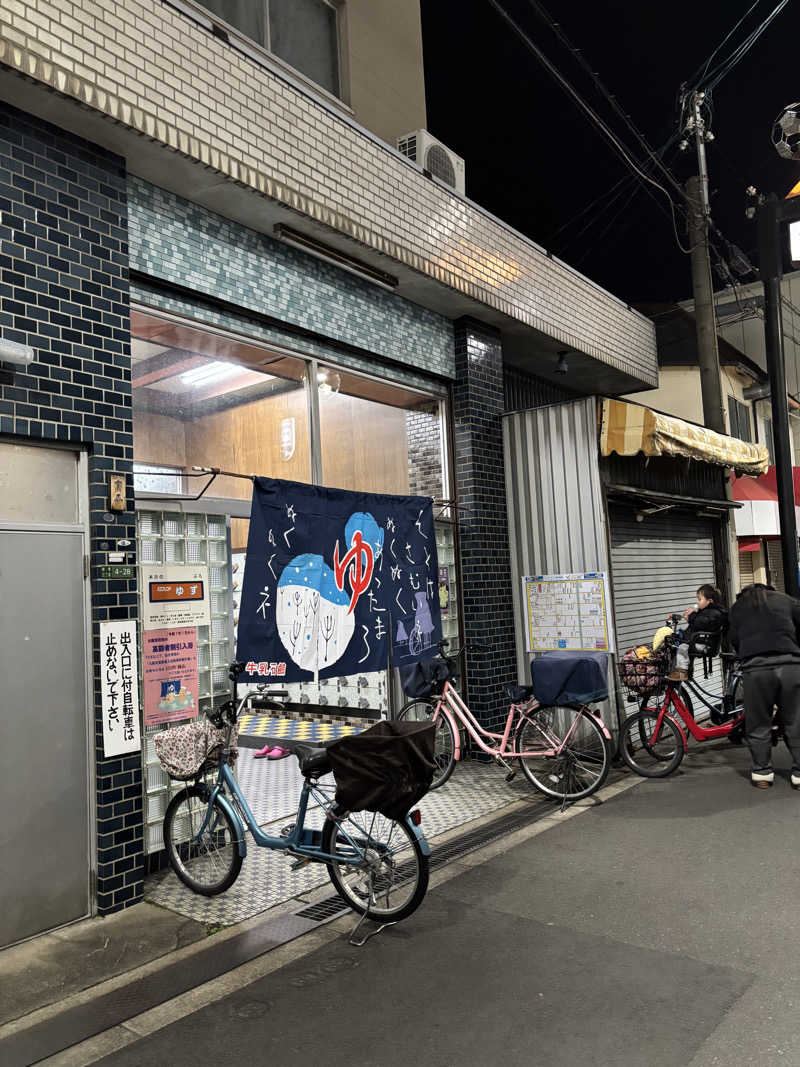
(248, 439)
(364, 445)
(159, 439)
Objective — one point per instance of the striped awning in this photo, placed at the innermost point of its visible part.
(630, 428)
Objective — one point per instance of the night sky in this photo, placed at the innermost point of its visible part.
(534, 160)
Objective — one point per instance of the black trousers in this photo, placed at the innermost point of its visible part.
(765, 688)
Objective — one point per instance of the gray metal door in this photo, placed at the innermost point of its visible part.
(746, 569)
(44, 763)
(657, 566)
(775, 561)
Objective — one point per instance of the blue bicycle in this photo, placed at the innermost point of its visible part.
(379, 866)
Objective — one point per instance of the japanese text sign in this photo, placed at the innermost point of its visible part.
(119, 687)
(169, 675)
(174, 596)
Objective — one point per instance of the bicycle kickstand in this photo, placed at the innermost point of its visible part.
(356, 928)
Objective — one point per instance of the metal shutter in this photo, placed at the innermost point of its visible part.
(746, 569)
(775, 558)
(657, 566)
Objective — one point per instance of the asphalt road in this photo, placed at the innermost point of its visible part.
(659, 928)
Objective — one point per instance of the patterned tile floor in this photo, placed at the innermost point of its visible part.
(294, 729)
(272, 789)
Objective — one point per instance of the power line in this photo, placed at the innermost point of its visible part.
(577, 54)
(582, 104)
(702, 70)
(738, 54)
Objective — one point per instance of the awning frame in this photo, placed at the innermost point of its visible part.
(653, 496)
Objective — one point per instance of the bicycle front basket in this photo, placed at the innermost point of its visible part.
(420, 679)
(185, 751)
(387, 768)
(643, 677)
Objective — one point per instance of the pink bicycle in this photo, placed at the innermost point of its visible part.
(563, 751)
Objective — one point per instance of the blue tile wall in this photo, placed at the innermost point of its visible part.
(478, 405)
(180, 242)
(64, 291)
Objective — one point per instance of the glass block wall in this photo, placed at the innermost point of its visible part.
(175, 538)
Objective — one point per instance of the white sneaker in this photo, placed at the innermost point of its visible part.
(795, 779)
(764, 779)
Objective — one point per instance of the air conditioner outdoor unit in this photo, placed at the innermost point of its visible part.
(433, 156)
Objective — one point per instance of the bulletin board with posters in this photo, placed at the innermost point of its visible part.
(568, 612)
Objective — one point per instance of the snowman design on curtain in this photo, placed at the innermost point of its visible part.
(331, 605)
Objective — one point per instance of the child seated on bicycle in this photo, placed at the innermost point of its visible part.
(707, 617)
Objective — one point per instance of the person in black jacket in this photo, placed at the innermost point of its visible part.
(708, 617)
(765, 634)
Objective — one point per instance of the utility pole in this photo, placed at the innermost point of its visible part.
(705, 319)
(772, 213)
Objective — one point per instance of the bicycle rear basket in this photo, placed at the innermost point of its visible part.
(387, 768)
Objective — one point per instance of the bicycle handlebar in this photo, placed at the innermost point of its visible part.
(479, 646)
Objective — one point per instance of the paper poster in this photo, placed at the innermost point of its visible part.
(444, 591)
(567, 612)
(175, 596)
(119, 688)
(169, 675)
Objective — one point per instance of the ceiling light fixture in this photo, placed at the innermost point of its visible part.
(209, 372)
(333, 255)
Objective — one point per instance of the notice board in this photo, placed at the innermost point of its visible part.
(568, 612)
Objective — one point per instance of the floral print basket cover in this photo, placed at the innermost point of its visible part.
(184, 751)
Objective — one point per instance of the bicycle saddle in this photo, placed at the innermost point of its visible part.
(517, 693)
(313, 759)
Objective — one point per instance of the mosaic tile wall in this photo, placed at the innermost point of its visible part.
(478, 404)
(180, 242)
(156, 71)
(64, 291)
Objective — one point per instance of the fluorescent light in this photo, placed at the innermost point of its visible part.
(333, 255)
(209, 372)
(14, 352)
(794, 241)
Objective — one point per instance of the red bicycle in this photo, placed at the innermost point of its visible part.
(653, 741)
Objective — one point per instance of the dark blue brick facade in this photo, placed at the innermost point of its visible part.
(478, 405)
(64, 291)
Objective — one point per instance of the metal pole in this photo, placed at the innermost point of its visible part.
(769, 240)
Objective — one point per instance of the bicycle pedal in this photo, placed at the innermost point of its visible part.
(511, 776)
(287, 830)
(298, 864)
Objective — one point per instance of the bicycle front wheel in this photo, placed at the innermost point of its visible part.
(649, 752)
(445, 750)
(207, 862)
(380, 868)
(566, 754)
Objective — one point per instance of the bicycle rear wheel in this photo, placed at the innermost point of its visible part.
(565, 772)
(651, 753)
(390, 876)
(445, 750)
(207, 862)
